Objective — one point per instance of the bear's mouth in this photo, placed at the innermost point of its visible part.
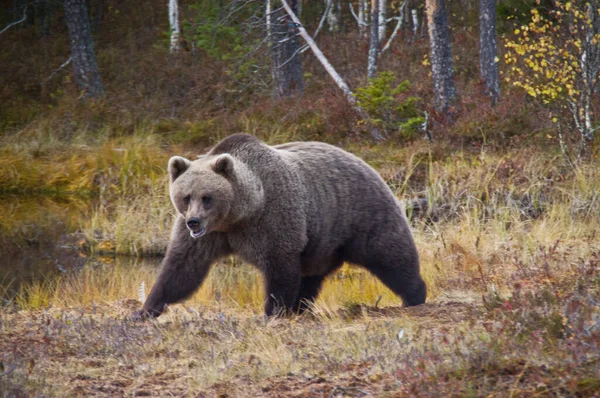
(198, 233)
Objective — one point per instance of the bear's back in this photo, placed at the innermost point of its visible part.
(345, 197)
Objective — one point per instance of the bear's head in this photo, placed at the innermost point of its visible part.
(213, 192)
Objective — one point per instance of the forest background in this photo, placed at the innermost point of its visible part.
(480, 116)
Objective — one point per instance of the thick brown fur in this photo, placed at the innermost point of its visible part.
(296, 211)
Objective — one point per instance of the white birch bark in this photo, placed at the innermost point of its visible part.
(375, 133)
(268, 18)
(400, 21)
(360, 18)
(382, 20)
(373, 40)
(174, 26)
(362, 9)
(415, 20)
(333, 17)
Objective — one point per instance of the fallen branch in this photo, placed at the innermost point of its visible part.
(375, 133)
(321, 23)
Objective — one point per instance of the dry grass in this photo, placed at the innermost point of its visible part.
(509, 250)
(543, 340)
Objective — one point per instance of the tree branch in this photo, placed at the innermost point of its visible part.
(359, 21)
(17, 22)
(375, 133)
(67, 62)
(396, 29)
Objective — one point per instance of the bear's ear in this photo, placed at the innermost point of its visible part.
(177, 165)
(223, 164)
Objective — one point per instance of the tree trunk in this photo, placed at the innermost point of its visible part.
(362, 17)
(87, 76)
(382, 20)
(441, 54)
(175, 45)
(285, 52)
(373, 40)
(334, 15)
(488, 50)
(415, 21)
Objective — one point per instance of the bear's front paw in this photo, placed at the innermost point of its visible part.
(143, 314)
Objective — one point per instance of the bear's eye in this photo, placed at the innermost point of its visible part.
(187, 199)
(206, 200)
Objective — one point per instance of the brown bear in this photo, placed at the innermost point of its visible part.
(296, 211)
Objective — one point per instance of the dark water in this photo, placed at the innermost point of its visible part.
(40, 238)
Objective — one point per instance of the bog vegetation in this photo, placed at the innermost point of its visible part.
(504, 202)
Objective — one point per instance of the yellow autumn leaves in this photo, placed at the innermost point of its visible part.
(544, 55)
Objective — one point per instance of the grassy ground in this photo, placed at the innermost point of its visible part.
(509, 248)
(542, 341)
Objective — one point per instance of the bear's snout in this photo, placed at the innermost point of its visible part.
(193, 223)
(195, 226)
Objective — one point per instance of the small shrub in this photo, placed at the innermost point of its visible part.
(380, 99)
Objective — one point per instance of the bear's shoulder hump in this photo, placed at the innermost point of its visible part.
(233, 142)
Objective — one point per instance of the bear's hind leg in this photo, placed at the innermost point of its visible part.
(309, 290)
(393, 260)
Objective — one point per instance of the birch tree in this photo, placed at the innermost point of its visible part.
(556, 60)
(286, 55)
(361, 17)
(373, 40)
(488, 49)
(335, 14)
(441, 54)
(85, 67)
(415, 21)
(375, 133)
(382, 20)
(175, 44)
(399, 22)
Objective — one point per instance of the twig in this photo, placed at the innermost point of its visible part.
(396, 29)
(17, 22)
(359, 21)
(425, 128)
(321, 24)
(67, 62)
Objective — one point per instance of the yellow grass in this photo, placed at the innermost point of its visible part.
(496, 226)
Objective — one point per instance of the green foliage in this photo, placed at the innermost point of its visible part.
(207, 29)
(381, 100)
